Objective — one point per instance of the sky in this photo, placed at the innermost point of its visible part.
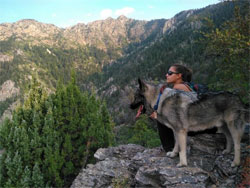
(66, 13)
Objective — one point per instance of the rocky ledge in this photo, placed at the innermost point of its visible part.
(135, 166)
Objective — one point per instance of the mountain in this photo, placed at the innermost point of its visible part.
(108, 55)
(86, 47)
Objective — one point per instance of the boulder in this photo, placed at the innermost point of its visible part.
(135, 166)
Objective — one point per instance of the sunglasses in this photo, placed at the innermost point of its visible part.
(170, 73)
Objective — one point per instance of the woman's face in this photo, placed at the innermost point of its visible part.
(173, 76)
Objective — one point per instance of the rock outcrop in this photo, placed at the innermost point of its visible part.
(4, 58)
(8, 90)
(135, 166)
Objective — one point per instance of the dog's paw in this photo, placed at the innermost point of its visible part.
(171, 154)
(179, 165)
(235, 164)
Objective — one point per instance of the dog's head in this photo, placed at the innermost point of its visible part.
(139, 100)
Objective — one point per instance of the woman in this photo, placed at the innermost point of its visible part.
(177, 76)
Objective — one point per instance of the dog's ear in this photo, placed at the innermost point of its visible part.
(143, 86)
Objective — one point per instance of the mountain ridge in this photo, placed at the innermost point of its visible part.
(115, 30)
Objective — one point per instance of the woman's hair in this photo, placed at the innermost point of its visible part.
(185, 72)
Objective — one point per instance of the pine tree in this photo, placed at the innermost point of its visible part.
(26, 178)
(81, 128)
(53, 161)
(229, 45)
(14, 168)
(22, 140)
(52, 137)
(108, 125)
(37, 177)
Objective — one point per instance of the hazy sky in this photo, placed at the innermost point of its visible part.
(64, 13)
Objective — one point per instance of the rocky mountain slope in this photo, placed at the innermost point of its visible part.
(103, 34)
(113, 33)
(30, 31)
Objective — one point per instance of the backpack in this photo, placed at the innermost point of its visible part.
(198, 88)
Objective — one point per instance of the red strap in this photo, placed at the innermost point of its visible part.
(162, 88)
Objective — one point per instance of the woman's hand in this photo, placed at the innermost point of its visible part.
(153, 115)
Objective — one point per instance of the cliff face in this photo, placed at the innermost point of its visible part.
(136, 166)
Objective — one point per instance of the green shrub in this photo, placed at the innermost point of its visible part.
(143, 134)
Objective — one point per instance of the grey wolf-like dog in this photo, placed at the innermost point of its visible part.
(183, 111)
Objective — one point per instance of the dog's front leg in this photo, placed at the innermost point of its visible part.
(236, 135)
(225, 131)
(175, 151)
(182, 140)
